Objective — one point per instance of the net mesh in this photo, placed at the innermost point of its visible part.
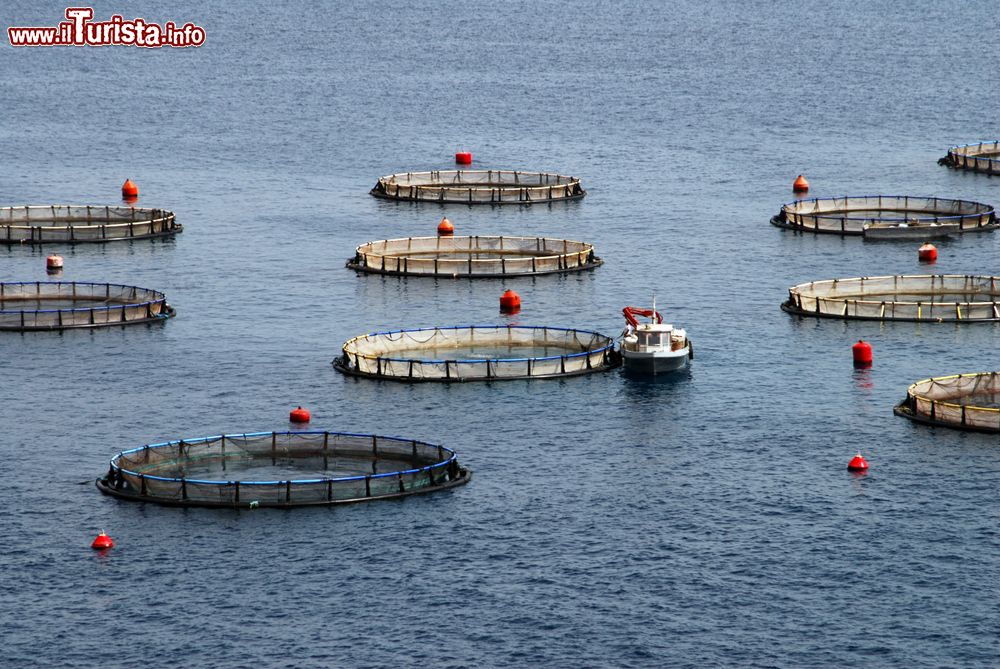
(850, 215)
(49, 305)
(422, 355)
(344, 468)
(978, 157)
(83, 223)
(473, 256)
(935, 298)
(961, 401)
(479, 187)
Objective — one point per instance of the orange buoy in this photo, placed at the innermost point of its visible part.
(463, 158)
(54, 262)
(510, 302)
(862, 352)
(800, 184)
(102, 542)
(445, 228)
(299, 415)
(129, 189)
(927, 252)
(857, 464)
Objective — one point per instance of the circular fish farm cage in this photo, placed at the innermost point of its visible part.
(78, 224)
(478, 187)
(980, 157)
(281, 469)
(477, 353)
(932, 298)
(962, 401)
(60, 305)
(473, 257)
(886, 216)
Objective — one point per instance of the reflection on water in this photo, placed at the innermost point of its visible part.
(863, 378)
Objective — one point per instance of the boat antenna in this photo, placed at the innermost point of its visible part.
(652, 316)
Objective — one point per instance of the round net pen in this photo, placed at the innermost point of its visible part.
(478, 187)
(980, 157)
(60, 305)
(477, 353)
(963, 401)
(78, 224)
(281, 469)
(473, 257)
(886, 216)
(924, 298)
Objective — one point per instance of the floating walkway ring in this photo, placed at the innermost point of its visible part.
(923, 298)
(473, 257)
(79, 224)
(954, 401)
(340, 468)
(478, 187)
(980, 157)
(477, 353)
(851, 215)
(62, 305)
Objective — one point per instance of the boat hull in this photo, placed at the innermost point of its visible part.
(914, 231)
(655, 363)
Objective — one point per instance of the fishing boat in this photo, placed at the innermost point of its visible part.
(654, 347)
(890, 230)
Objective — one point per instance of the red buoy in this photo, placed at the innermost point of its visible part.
(927, 252)
(54, 262)
(445, 228)
(862, 352)
(800, 185)
(857, 464)
(463, 158)
(510, 302)
(299, 415)
(102, 542)
(129, 189)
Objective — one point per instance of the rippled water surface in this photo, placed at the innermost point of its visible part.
(704, 521)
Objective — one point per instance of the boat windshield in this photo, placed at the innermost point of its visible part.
(650, 339)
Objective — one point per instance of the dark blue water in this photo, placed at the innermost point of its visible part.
(704, 522)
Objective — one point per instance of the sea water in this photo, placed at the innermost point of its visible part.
(612, 522)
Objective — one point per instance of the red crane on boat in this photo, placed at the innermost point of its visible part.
(630, 314)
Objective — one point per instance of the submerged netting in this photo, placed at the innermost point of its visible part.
(851, 215)
(935, 298)
(56, 305)
(963, 401)
(83, 223)
(979, 157)
(478, 187)
(477, 353)
(281, 469)
(473, 257)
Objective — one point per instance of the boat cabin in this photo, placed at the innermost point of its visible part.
(653, 336)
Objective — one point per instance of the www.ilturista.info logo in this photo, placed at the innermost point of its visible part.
(79, 30)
